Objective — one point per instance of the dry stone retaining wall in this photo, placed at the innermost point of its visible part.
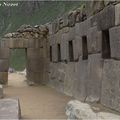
(84, 55)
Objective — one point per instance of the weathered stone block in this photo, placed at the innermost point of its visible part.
(84, 26)
(4, 53)
(110, 95)
(117, 14)
(94, 40)
(57, 76)
(4, 65)
(1, 91)
(80, 84)
(58, 36)
(71, 33)
(69, 79)
(95, 66)
(3, 77)
(15, 43)
(106, 18)
(64, 47)
(35, 53)
(115, 42)
(54, 53)
(36, 65)
(10, 109)
(77, 47)
(52, 39)
(37, 77)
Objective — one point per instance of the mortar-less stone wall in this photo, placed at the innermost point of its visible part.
(34, 40)
(85, 55)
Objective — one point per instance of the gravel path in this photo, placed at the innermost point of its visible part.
(37, 102)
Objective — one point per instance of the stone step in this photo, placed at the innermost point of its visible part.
(10, 109)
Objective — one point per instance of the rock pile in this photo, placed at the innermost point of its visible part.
(27, 31)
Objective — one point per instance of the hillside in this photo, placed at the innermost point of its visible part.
(34, 12)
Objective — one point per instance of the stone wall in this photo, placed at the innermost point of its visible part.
(34, 41)
(84, 54)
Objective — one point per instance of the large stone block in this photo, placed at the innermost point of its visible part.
(57, 76)
(37, 77)
(54, 53)
(77, 47)
(15, 43)
(10, 109)
(4, 53)
(117, 14)
(95, 66)
(70, 77)
(58, 36)
(110, 95)
(71, 33)
(36, 65)
(64, 47)
(80, 83)
(52, 39)
(3, 77)
(35, 53)
(94, 40)
(106, 18)
(4, 65)
(115, 42)
(84, 26)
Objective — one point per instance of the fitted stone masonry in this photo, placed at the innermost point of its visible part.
(77, 54)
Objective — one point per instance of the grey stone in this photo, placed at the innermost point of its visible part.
(110, 94)
(106, 18)
(117, 14)
(10, 109)
(54, 53)
(84, 27)
(76, 110)
(94, 40)
(64, 47)
(77, 47)
(71, 33)
(115, 42)
(57, 76)
(95, 66)
(80, 83)
(70, 77)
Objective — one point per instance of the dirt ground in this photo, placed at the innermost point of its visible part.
(37, 102)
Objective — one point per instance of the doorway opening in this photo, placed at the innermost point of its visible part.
(17, 67)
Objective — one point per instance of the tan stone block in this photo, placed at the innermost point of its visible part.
(4, 53)
(3, 77)
(34, 53)
(4, 65)
(37, 77)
